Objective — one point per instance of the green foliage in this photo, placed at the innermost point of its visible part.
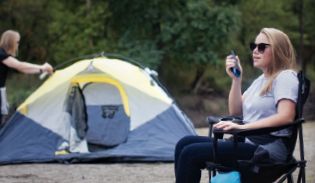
(197, 32)
(20, 87)
(191, 31)
(257, 14)
(143, 51)
(185, 40)
(30, 18)
(136, 29)
(77, 29)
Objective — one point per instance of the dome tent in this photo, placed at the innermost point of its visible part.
(97, 108)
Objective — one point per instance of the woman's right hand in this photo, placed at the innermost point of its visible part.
(228, 125)
(230, 62)
(46, 67)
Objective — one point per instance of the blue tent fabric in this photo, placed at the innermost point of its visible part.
(23, 140)
(109, 125)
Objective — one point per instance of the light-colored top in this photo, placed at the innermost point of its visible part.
(255, 107)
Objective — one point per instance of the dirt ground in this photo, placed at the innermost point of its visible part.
(123, 173)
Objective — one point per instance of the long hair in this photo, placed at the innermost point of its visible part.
(283, 55)
(8, 41)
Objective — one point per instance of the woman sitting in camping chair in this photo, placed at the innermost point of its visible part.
(269, 102)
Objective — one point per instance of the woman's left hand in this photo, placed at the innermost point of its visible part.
(227, 125)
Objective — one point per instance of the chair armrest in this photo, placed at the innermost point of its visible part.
(215, 119)
(260, 131)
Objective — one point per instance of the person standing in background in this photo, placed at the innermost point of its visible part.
(9, 45)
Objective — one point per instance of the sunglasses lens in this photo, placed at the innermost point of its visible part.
(252, 46)
(261, 48)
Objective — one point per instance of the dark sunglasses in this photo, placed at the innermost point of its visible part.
(261, 47)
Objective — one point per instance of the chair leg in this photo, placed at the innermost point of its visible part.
(211, 173)
(301, 176)
(289, 178)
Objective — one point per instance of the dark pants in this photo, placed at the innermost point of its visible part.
(192, 152)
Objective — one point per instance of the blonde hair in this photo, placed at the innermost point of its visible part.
(283, 55)
(8, 41)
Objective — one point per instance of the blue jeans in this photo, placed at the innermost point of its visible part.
(192, 152)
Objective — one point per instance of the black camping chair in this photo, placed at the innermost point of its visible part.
(266, 172)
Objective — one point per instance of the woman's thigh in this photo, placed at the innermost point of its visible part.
(228, 153)
(202, 151)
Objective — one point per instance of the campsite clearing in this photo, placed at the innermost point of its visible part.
(121, 172)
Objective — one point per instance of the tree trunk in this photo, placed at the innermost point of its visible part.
(301, 62)
(88, 4)
(198, 79)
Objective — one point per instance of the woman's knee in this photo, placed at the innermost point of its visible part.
(183, 142)
(191, 139)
